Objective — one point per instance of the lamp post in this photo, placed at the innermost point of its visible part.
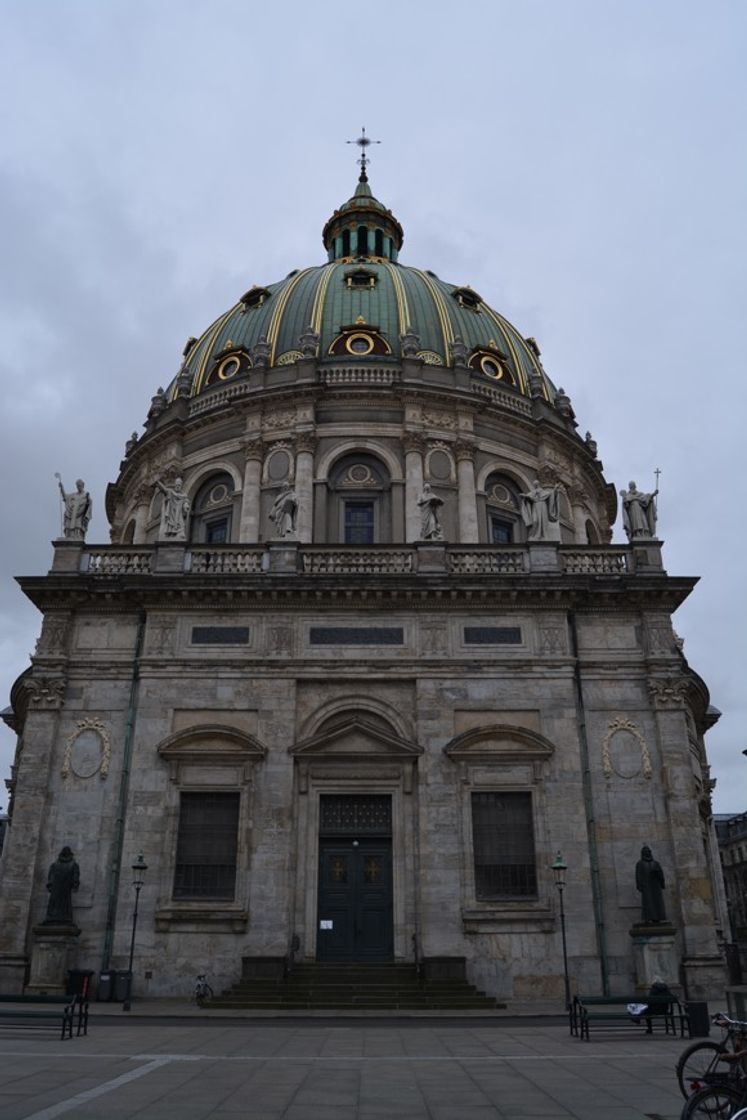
(139, 868)
(559, 868)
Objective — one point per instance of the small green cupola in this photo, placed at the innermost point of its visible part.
(362, 227)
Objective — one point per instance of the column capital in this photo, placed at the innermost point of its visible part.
(413, 442)
(464, 449)
(306, 441)
(254, 448)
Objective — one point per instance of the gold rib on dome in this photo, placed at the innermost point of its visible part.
(441, 311)
(400, 295)
(317, 311)
(501, 324)
(209, 342)
(277, 315)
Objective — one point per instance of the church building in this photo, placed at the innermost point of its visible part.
(358, 662)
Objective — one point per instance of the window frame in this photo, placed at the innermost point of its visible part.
(219, 896)
(501, 896)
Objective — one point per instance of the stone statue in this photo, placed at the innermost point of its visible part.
(158, 404)
(410, 342)
(174, 512)
(591, 443)
(78, 509)
(459, 352)
(639, 513)
(540, 511)
(649, 880)
(284, 512)
(309, 342)
(62, 879)
(260, 352)
(130, 443)
(535, 385)
(563, 404)
(430, 525)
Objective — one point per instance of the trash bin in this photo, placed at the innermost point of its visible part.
(121, 984)
(79, 981)
(697, 1017)
(105, 991)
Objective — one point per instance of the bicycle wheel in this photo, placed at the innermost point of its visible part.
(713, 1103)
(694, 1063)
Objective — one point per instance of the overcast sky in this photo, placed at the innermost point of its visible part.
(580, 164)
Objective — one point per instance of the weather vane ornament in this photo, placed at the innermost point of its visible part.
(363, 142)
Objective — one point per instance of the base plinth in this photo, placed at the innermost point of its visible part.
(51, 956)
(654, 956)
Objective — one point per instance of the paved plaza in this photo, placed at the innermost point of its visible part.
(302, 1069)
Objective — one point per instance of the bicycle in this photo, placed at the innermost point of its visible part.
(698, 1066)
(716, 1102)
(202, 993)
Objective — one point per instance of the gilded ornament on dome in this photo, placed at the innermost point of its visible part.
(430, 358)
(289, 358)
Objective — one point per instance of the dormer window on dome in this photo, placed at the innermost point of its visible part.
(233, 361)
(467, 297)
(493, 364)
(360, 341)
(255, 297)
(361, 278)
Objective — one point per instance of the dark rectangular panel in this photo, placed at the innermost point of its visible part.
(356, 636)
(220, 635)
(492, 635)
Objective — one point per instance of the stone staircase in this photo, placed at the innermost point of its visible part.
(354, 987)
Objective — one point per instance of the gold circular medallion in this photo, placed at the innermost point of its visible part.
(228, 368)
(359, 344)
(491, 367)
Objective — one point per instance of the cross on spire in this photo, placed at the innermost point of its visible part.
(363, 142)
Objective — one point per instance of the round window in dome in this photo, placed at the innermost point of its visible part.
(491, 367)
(359, 344)
(228, 368)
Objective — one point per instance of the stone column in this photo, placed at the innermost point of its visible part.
(468, 531)
(249, 524)
(17, 903)
(413, 446)
(305, 448)
(143, 496)
(689, 895)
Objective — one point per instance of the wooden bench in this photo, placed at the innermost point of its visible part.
(46, 1011)
(614, 1009)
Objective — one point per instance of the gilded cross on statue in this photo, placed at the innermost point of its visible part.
(363, 142)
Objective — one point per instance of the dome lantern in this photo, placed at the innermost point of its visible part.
(362, 227)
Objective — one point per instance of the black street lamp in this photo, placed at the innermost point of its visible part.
(559, 868)
(139, 868)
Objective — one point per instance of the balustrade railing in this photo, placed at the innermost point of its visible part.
(359, 375)
(242, 560)
(457, 560)
(479, 561)
(385, 561)
(116, 562)
(595, 561)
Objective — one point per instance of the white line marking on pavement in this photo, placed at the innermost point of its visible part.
(91, 1094)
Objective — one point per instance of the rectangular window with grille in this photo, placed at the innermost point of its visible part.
(503, 842)
(206, 846)
(359, 523)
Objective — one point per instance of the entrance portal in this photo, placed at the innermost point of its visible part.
(355, 879)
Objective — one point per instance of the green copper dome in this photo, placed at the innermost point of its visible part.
(363, 305)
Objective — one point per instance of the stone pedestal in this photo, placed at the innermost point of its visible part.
(654, 956)
(430, 557)
(704, 978)
(544, 557)
(283, 556)
(51, 957)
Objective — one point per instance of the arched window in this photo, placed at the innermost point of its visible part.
(503, 506)
(379, 238)
(129, 534)
(346, 243)
(359, 506)
(362, 241)
(212, 511)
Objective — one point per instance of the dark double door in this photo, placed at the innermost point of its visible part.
(355, 899)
